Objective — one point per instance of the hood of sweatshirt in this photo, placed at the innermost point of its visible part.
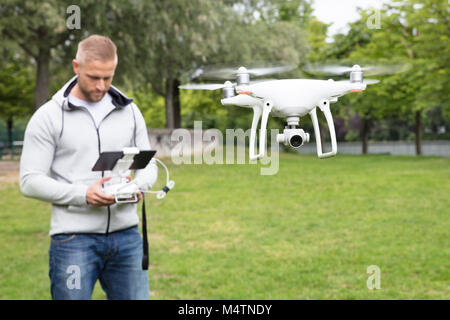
(119, 100)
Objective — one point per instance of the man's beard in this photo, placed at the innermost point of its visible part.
(89, 95)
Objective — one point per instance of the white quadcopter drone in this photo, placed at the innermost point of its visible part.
(287, 98)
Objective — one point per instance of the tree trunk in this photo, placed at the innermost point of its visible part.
(418, 133)
(172, 101)
(365, 130)
(42, 77)
(10, 132)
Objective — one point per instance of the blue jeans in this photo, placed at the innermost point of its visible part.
(78, 260)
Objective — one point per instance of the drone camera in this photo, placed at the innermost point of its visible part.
(296, 141)
(293, 137)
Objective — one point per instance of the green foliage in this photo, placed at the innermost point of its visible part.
(150, 104)
(296, 11)
(160, 41)
(410, 34)
(172, 37)
(317, 34)
(203, 106)
(16, 88)
(29, 23)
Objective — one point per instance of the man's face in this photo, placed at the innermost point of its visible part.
(94, 78)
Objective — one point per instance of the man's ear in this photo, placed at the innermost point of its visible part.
(76, 66)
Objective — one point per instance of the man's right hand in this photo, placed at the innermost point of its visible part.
(95, 195)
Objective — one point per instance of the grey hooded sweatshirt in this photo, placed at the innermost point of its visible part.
(62, 144)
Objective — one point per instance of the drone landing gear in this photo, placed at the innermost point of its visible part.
(324, 106)
(259, 110)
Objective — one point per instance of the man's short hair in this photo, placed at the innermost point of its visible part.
(96, 47)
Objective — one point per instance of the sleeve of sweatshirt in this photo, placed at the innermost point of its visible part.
(144, 178)
(36, 160)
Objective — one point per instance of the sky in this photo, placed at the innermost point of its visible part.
(341, 12)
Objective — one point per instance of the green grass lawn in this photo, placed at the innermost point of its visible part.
(308, 232)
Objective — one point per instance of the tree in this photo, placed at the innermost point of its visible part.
(48, 32)
(172, 37)
(16, 90)
(158, 41)
(412, 34)
(382, 47)
(37, 28)
(345, 50)
(426, 35)
(185, 35)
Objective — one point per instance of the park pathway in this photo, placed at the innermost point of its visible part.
(9, 171)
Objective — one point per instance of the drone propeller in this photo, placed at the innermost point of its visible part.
(365, 81)
(368, 70)
(371, 81)
(215, 86)
(206, 86)
(230, 73)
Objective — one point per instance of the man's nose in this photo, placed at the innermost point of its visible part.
(100, 85)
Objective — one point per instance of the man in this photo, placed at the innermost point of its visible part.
(92, 237)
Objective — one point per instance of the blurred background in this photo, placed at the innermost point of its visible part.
(162, 43)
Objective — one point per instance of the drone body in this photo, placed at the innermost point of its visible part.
(287, 98)
(294, 97)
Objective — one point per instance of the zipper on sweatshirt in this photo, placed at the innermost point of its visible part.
(97, 130)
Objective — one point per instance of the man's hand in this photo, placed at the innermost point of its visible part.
(95, 195)
(139, 193)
